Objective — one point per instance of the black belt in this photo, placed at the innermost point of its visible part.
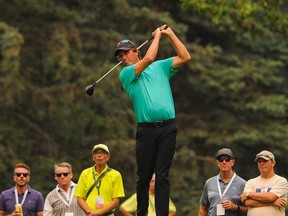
(156, 124)
(109, 213)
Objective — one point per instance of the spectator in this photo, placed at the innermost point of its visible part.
(129, 207)
(31, 201)
(99, 187)
(61, 200)
(267, 193)
(221, 193)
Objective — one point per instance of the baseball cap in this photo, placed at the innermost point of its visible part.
(266, 155)
(225, 151)
(124, 45)
(100, 146)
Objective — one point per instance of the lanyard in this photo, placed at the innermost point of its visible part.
(71, 194)
(100, 178)
(96, 181)
(98, 188)
(226, 189)
(17, 198)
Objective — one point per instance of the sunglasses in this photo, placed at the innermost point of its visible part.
(60, 174)
(224, 158)
(24, 174)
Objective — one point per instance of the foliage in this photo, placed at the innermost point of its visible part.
(232, 93)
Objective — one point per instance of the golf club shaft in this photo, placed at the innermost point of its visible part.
(107, 73)
(139, 47)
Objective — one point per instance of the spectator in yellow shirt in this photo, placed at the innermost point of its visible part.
(129, 207)
(106, 185)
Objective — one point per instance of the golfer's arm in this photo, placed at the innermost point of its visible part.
(203, 210)
(149, 56)
(182, 53)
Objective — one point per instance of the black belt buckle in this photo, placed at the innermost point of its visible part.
(159, 124)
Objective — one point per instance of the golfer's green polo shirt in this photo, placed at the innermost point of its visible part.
(111, 186)
(150, 92)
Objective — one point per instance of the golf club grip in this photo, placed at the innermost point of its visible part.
(139, 47)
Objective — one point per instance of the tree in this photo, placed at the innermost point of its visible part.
(232, 93)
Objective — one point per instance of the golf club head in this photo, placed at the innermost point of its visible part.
(89, 90)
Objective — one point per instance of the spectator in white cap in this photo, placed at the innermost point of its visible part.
(99, 187)
(267, 193)
(221, 193)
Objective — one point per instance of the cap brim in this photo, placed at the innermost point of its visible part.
(101, 149)
(229, 155)
(263, 157)
(116, 53)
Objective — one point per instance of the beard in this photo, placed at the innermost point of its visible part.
(21, 184)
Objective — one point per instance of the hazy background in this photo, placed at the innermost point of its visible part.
(233, 92)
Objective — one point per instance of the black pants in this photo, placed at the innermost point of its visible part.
(155, 148)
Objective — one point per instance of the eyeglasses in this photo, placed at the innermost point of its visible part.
(224, 158)
(60, 174)
(24, 174)
(100, 152)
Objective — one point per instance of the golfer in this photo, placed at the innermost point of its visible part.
(147, 83)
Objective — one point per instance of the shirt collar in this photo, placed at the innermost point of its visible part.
(71, 186)
(95, 173)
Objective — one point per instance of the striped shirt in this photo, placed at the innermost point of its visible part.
(58, 202)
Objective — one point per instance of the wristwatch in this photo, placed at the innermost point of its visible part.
(247, 195)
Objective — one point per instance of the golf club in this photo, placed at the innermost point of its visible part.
(90, 88)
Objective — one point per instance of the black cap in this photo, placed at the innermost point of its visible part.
(124, 45)
(225, 151)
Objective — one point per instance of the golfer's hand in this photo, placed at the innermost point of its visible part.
(166, 30)
(156, 33)
(164, 27)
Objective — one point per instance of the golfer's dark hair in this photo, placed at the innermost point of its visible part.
(139, 54)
